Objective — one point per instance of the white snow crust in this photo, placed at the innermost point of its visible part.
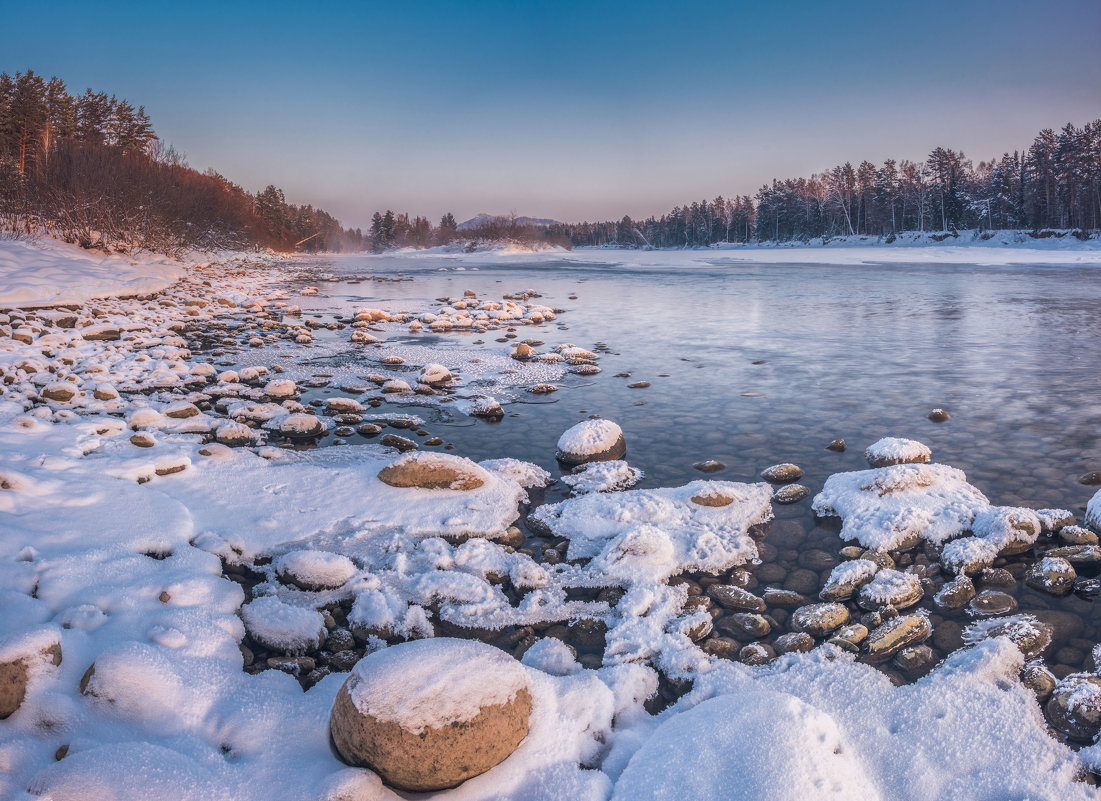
(590, 437)
(46, 272)
(884, 507)
(429, 684)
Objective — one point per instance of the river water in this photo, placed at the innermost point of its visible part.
(755, 364)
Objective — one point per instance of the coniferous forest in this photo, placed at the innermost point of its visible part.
(90, 169)
(1055, 184)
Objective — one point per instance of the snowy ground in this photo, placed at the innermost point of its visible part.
(1003, 248)
(125, 556)
(44, 272)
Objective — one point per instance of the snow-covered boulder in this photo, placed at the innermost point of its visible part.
(283, 627)
(1093, 512)
(60, 391)
(23, 656)
(488, 408)
(315, 570)
(301, 426)
(280, 389)
(894, 450)
(396, 385)
(1012, 530)
(591, 441)
(433, 471)
(343, 406)
(434, 375)
(429, 714)
(650, 535)
(895, 507)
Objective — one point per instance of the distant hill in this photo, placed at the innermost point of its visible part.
(478, 220)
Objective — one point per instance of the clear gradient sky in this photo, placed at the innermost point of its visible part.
(571, 110)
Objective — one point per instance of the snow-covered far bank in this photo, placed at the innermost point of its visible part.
(968, 248)
(48, 272)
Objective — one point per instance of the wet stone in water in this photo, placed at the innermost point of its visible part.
(990, 603)
(1053, 575)
(781, 473)
(820, 619)
(894, 635)
(792, 493)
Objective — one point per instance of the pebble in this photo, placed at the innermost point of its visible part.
(735, 598)
(820, 619)
(401, 443)
(710, 466)
(1075, 706)
(955, 594)
(792, 493)
(794, 642)
(915, 659)
(781, 473)
(895, 635)
(837, 446)
(990, 603)
(1052, 574)
(774, 596)
(742, 624)
(756, 654)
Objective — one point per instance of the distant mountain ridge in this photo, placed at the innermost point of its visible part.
(478, 220)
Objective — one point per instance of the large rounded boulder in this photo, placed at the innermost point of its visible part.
(429, 714)
(592, 441)
(428, 470)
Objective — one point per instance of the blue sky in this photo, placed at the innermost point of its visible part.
(569, 110)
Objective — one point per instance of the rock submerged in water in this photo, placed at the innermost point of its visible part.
(1075, 706)
(1053, 575)
(792, 493)
(429, 714)
(896, 634)
(592, 441)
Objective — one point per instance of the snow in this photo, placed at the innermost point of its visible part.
(893, 450)
(278, 625)
(662, 532)
(745, 747)
(130, 578)
(886, 507)
(1093, 512)
(430, 684)
(1007, 526)
(590, 437)
(316, 568)
(967, 730)
(47, 272)
(1004, 248)
(888, 586)
(602, 477)
(552, 656)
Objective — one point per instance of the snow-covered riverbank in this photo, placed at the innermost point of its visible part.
(149, 533)
(47, 272)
